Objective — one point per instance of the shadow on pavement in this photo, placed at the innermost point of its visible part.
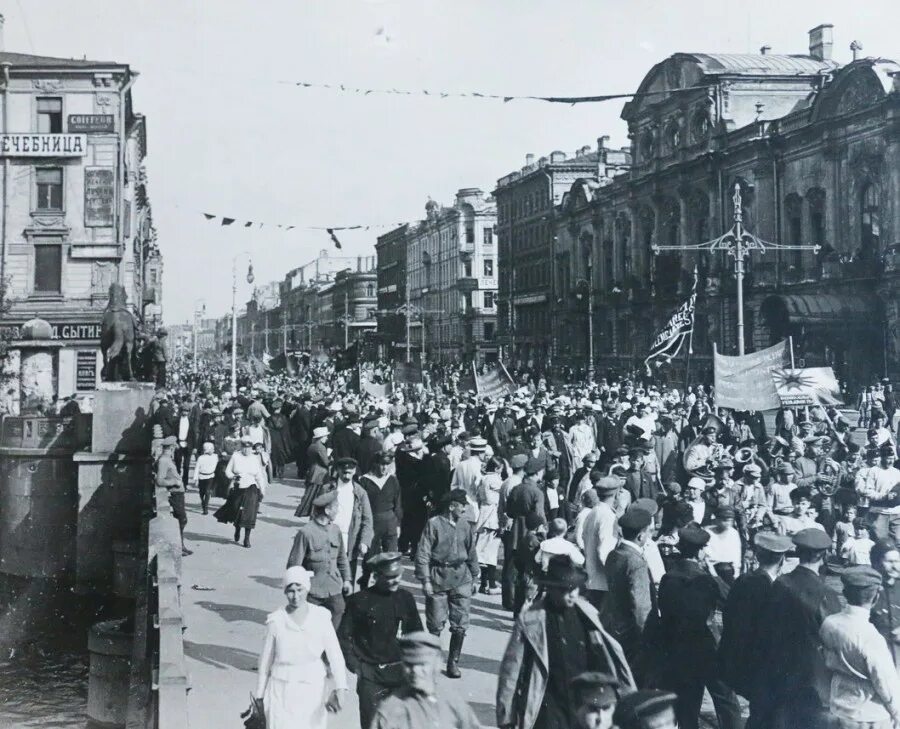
(267, 581)
(479, 663)
(486, 713)
(288, 524)
(221, 656)
(235, 613)
(195, 537)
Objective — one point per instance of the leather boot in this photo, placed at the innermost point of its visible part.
(456, 644)
(237, 534)
(247, 538)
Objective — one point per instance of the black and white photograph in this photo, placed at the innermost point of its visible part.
(485, 364)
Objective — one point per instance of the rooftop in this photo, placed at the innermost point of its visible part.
(26, 60)
(755, 64)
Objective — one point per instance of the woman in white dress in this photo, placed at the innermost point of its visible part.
(487, 527)
(291, 669)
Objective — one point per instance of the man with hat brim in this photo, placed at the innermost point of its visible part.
(595, 695)
(318, 464)
(739, 647)
(417, 702)
(508, 575)
(790, 647)
(556, 636)
(524, 498)
(438, 468)
(383, 491)
(369, 445)
(681, 642)
(354, 513)
(600, 535)
(345, 437)
(319, 547)
(865, 685)
(167, 477)
(646, 708)
(368, 632)
(301, 428)
(699, 455)
(630, 597)
(467, 475)
(447, 567)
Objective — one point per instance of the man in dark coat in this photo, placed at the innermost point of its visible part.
(629, 600)
(345, 439)
(412, 473)
(739, 650)
(301, 425)
(524, 499)
(684, 646)
(383, 491)
(438, 473)
(369, 447)
(792, 666)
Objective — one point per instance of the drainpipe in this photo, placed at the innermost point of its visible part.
(5, 122)
(120, 187)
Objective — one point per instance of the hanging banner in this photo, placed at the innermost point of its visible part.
(807, 386)
(407, 373)
(745, 383)
(496, 383)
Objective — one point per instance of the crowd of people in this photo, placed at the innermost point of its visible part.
(647, 546)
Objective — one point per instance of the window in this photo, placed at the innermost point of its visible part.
(488, 267)
(488, 236)
(49, 188)
(700, 127)
(489, 331)
(370, 290)
(467, 269)
(794, 220)
(871, 223)
(49, 116)
(490, 299)
(673, 137)
(48, 266)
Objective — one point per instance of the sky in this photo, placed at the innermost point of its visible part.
(230, 132)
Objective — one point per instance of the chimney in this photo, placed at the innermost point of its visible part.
(557, 156)
(529, 159)
(765, 50)
(601, 142)
(820, 42)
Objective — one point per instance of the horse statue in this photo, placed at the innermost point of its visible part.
(117, 335)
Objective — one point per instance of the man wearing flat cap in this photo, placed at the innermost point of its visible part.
(368, 632)
(595, 695)
(699, 455)
(646, 708)
(742, 616)
(556, 638)
(417, 704)
(354, 514)
(790, 681)
(864, 685)
(447, 567)
(629, 600)
(684, 645)
(412, 474)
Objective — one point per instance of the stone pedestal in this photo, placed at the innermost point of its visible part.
(113, 481)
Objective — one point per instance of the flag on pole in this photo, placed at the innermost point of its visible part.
(670, 338)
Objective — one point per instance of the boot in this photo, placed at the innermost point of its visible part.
(247, 538)
(456, 644)
(237, 534)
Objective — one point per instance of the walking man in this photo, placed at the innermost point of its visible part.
(383, 491)
(447, 567)
(368, 633)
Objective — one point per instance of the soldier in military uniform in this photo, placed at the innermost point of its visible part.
(368, 633)
(447, 567)
(417, 704)
(319, 547)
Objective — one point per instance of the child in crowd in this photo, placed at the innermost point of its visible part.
(844, 530)
(555, 544)
(858, 549)
(205, 474)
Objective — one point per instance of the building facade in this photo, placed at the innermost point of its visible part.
(75, 215)
(526, 200)
(390, 254)
(815, 152)
(452, 278)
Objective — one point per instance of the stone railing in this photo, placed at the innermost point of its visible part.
(159, 680)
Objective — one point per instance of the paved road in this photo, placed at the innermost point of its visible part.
(228, 591)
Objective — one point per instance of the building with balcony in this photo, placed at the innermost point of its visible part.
(76, 214)
(815, 151)
(452, 279)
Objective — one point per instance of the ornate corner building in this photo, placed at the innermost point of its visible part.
(815, 149)
(75, 214)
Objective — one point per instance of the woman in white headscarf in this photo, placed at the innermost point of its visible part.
(292, 672)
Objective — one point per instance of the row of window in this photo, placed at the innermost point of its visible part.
(522, 205)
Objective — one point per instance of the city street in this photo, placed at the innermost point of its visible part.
(228, 590)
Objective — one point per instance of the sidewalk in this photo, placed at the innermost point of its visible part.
(226, 624)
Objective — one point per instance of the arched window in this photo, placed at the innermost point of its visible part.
(700, 127)
(623, 241)
(672, 137)
(870, 221)
(370, 290)
(647, 146)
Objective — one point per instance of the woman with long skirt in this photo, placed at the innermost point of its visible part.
(318, 471)
(487, 528)
(248, 484)
(292, 666)
(279, 433)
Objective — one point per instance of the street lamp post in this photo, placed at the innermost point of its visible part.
(250, 278)
(737, 242)
(196, 311)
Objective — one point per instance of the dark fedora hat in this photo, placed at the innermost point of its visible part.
(562, 573)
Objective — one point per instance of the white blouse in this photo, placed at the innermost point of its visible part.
(296, 650)
(248, 469)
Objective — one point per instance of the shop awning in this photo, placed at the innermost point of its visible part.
(832, 309)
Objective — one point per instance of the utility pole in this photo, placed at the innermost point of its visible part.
(234, 314)
(737, 242)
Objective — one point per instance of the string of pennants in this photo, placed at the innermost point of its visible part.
(226, 221)
(505, 98)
